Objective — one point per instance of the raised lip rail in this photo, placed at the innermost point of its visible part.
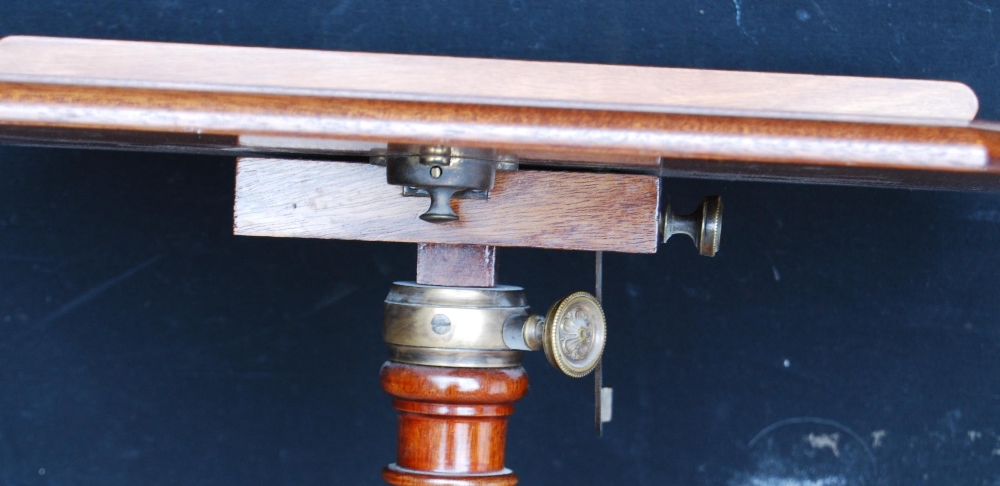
(668, 121)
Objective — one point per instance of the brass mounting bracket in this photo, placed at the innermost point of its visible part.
(442, 173)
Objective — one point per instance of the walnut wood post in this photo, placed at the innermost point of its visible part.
(452, 423)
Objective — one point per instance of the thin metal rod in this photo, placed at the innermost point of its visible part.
(599, 370)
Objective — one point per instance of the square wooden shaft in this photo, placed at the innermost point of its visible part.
(456, 265)
(541, 209)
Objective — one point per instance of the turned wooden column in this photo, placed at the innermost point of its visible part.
(452, 380)
(452, 423)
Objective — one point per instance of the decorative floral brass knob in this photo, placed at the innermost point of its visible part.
(574, 334)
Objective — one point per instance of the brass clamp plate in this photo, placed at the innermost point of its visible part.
(442, 173)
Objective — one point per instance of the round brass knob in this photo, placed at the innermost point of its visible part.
(574, 334)
(704, 226)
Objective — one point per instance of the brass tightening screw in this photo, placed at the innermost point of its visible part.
(572, 334)
(704, 226)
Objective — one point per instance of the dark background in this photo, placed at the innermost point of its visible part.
(141, 343)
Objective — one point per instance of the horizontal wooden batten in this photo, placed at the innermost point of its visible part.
(308, 104)
(607, 138)
(171, 66)
(542, 209)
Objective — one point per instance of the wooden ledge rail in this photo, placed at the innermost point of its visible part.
(185, 67)
(57, 113)
(202, 98)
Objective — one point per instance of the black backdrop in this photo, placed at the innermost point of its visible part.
(842, 336)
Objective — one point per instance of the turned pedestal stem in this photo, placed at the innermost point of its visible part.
(452, 423)
(444, 336)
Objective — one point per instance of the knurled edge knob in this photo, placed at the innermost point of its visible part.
(551, 339)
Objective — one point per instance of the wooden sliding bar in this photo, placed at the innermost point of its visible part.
(539, 209)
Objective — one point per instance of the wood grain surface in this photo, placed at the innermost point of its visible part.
(541, 209)
(34, 113)
(456, 265)
(452, 423)
(127, 64)
(189, 99)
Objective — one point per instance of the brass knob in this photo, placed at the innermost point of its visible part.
(440, 210)
(442, 173)
(574, 333)
(704, 226)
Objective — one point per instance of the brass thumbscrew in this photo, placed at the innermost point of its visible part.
(572, 334)
(704, 226)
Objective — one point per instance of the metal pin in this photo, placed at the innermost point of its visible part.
(602, 395)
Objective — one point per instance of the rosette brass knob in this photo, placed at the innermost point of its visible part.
(572, 334)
